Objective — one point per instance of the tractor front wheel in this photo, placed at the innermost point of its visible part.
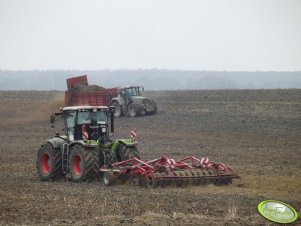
(118, 109)
(134, 110)
(84, 163)
(49, 163)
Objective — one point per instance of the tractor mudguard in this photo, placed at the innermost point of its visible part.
(56, 142)
(126, 142)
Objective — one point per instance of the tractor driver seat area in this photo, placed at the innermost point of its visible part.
(83, 124)
(86, 126)
(91, 130)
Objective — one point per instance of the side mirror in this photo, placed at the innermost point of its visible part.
(112, 109)
(142, 88)
(52, 120)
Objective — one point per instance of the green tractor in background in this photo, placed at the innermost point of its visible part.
(85, 147)
(130, 102)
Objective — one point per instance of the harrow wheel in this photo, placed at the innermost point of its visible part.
(84, 163)
(49, 163)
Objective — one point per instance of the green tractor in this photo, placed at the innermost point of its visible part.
(85, 146)
(129, 101)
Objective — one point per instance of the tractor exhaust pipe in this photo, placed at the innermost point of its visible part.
(112, 111)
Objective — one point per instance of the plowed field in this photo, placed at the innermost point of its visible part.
(257, 132)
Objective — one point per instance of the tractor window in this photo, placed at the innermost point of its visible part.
(70, 124)
(87, 115)
(83, 117)
(71, 119)
(134, 91)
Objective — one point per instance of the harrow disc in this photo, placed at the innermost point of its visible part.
(195, 180)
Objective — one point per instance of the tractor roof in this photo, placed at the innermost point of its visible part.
(74, 108)
(127, 87)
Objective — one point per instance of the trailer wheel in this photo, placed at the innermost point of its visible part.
(49, 163)
(84, 163)
(118, 110)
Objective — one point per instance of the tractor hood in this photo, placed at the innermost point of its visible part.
(139, 98)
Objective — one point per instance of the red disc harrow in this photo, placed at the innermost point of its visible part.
(164, 171)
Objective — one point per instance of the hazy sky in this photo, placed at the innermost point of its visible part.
(131, 34)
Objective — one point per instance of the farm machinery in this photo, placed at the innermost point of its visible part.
(86, 151)
(85, 146)
(127, 100)
(164, 171)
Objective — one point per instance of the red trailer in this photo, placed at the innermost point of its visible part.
(79, 93)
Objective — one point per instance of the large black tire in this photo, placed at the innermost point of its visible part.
(84, 163)
(49, 163)
(134, 110)
(131, 152)
(118, 109)
(127, 152)
(155, 108)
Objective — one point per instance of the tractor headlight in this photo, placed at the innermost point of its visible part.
(104, 130)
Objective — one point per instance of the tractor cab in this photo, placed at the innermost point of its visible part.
(132, 91)
(87, 123)
(129, 92)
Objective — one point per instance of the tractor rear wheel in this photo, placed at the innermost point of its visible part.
(49, 163)
(155, 108)
(131, 152)
(125, 153)
(118, 110)
(84, 163)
